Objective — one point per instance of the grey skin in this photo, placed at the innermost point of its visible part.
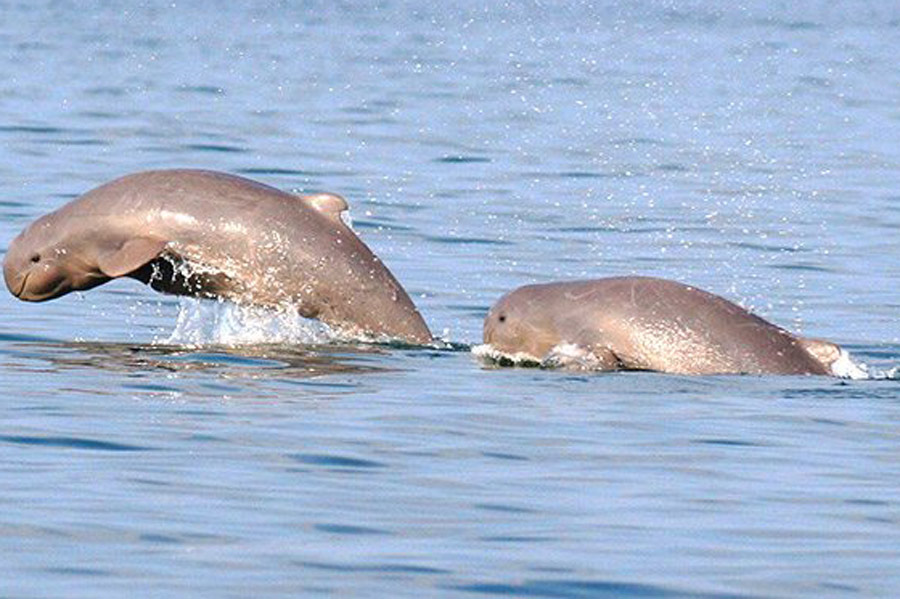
(643, 323)
(210, 234)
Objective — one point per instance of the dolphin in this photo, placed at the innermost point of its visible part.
(215, 235)
(645, 323)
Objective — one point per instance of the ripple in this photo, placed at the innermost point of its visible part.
(462, 159)
(504, 456)
(467, 240)
(334, 461)
(220, 148)
(260, 170)
(347, 529)
(388, 568)
(30, 129)
(727, 442)
(583, 589)
(206, 90)
(71, 443)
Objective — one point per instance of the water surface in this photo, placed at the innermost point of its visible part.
(150, 443)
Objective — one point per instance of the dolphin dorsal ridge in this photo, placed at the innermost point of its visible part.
(329, 204)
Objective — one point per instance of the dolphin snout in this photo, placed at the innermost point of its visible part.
(15, 279)
(21, 288)
(16, 282)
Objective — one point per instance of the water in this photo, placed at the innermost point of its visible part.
(152, 443)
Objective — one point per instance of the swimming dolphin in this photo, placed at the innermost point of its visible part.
(210, 234)
(644, 323)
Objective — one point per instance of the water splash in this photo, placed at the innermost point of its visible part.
(571, 357)
(218, 322)
(491, 355)
(846, 368)
(566, 356)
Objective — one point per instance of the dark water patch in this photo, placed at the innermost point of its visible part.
(202, 413)
(875, 353)
(358, 110)
(726, 442)
(158, 539)
(672, 168)
(586, 175)
(42, 409)
(584, 589)
(99, 115)
(225, 359)
(205, 90)
(820, 82)
(35, 129)
(220, 388)
(386, 568)
(150, 482)
(335, 461)
(347, 529)
(467, 240)
(471, 309)
(25, 338)
(203, 438)
(71, 443)
(573, 81)
(462, 159)
(76, 142)
(152, 387)
(76, 571)
(263, 170)
(801, 26)
(867, 502)
(33, 45)
(217, 148)
(505, 456)
(509, 509)
(801, 267)
(379, 225)
(761, 247)
(15, 204)
(515, 539)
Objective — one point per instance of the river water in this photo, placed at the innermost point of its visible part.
(160, 447)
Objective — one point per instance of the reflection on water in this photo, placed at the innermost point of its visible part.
(254, 361)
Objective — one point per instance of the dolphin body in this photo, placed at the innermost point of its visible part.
(644, 323)
(210, 234)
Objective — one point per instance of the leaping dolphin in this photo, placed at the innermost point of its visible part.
(210, 234)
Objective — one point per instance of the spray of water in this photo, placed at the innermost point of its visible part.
(212, 322)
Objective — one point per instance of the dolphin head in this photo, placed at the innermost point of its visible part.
(520, 323)
(47, 261)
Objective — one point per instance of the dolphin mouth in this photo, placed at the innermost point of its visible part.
(40, 297)
(18, 292)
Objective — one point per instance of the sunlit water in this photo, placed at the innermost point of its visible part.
(165, 447)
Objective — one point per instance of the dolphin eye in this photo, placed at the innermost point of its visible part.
(35, 258)
(502, 318)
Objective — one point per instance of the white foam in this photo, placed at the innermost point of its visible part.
(490, 354)
(565, 355)
(845, 368)
(573, 357)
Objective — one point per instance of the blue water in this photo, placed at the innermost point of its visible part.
(154, 446)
